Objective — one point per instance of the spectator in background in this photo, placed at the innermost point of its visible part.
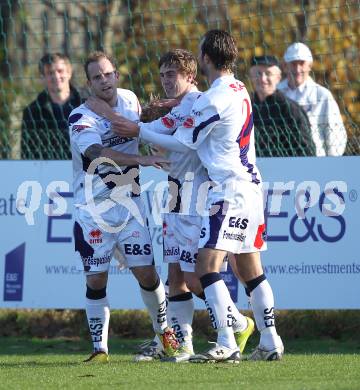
(281, 126)
(45, 134)
(328, 131)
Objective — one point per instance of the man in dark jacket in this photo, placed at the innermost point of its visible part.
(44, 125)
(282, 128)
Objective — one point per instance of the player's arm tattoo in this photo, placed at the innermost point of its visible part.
(93, 151)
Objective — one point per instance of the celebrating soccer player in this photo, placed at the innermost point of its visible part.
(110, 217)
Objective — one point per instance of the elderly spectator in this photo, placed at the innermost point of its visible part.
(281, 126)
(44, 124)
(328, 131)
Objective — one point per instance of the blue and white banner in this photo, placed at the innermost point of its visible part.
(312, 213)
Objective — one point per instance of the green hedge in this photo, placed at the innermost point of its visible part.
(308, 324)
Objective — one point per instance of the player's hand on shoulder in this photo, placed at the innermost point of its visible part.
(168, 103)
(100, 107)
(154, 161)
(157, 108)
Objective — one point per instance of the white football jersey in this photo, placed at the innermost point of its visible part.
(186, 172)
(87, 128)
(222, 133)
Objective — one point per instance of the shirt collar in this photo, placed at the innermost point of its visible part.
(301, 88)
(194, 88)
(222, 80)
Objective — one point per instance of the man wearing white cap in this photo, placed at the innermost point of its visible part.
(327, 127)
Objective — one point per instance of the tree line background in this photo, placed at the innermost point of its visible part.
(138, 32)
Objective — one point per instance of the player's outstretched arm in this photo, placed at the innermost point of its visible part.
(154, 161)
(125, 127)
(119, 124)
(98, 151)
(166, 141)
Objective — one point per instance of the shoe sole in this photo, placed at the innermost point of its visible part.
(176, 359)
(212, 361)
(230, 360)
(274, 356)
(144, 359)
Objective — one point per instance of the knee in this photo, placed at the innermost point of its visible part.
(97, 281)
(199, 271)
(146, 276)
(193, 283)
(248, 266)
(175, 275)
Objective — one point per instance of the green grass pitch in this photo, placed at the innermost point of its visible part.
(57, 364)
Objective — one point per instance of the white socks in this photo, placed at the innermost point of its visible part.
(226, 338)
(180, 313)
(220, 308)
(239, 320)
(155, 302)
(98, 316)
(262, 303)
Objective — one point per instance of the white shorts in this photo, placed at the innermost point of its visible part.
(95, 246)
(237, 224)
(181, 234)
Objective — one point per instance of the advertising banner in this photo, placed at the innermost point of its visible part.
(312, 213)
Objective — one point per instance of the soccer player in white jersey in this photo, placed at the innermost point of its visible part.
(182, 222)
(222, 134)
(109, 214)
